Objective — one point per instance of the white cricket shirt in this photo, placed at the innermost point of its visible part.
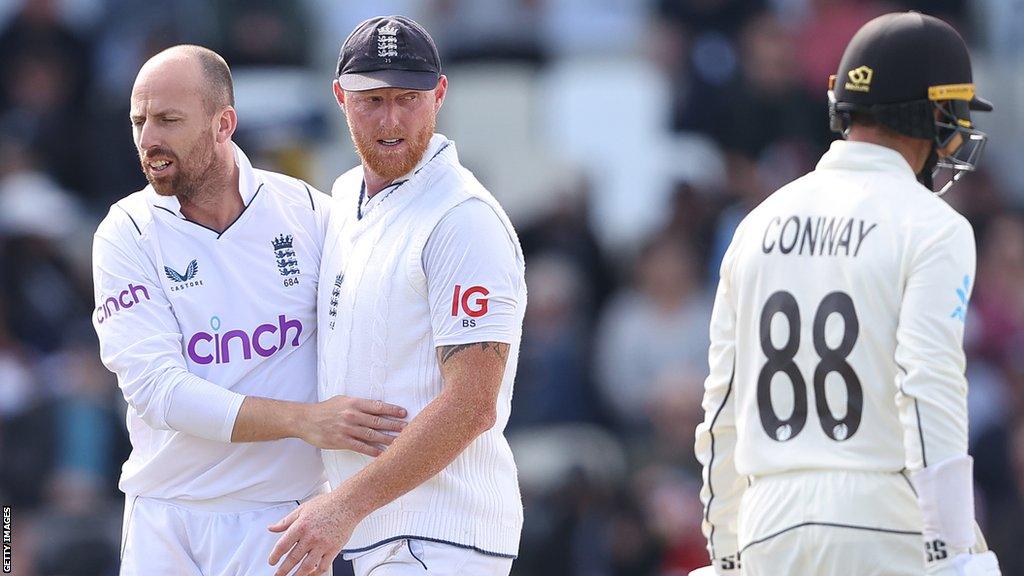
(837, 332)
(431, 261)
(191, 321)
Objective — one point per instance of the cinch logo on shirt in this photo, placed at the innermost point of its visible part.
(206, 348)
(474, 309)
(114, 305)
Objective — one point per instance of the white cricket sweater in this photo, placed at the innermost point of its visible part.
(383, 313)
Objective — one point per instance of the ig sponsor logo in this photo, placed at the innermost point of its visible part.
(265, 340)
(475, 308)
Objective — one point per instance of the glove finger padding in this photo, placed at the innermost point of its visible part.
(984, 564)
(980, 544)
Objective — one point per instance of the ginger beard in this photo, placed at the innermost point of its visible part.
(389, 164)
(194, 170)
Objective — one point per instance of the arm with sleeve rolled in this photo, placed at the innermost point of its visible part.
(141, 344)
(932, 398)
(715, 443)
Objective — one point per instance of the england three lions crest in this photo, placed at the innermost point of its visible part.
(287, 261)
(335, 295)
(387, 42)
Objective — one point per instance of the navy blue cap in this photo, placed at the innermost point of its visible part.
(388, 52)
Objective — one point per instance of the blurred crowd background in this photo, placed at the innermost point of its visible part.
(626, 139)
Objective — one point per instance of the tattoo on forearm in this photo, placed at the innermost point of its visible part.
(446, 353)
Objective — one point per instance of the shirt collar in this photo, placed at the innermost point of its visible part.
(248, 184)
(437, 142)
(847, 155)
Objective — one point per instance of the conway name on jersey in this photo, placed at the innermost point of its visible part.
(192, 320)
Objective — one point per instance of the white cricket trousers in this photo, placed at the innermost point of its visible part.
(412, 557)
(162, 537)
(831, 523)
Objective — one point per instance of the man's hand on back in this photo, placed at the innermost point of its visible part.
(338, 423)
(356, 424)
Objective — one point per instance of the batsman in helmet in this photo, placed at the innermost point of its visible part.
(835, 431)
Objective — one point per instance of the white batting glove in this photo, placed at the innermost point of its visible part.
(725, 566)
(984, 564)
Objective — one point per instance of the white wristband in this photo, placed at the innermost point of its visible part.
(945, 493)
(201, 408)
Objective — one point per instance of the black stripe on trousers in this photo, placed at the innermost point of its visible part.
(830, 525)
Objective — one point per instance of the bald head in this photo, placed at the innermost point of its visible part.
(197, 68)
(183, 119)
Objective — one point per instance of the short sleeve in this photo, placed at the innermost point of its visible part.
(475, 281)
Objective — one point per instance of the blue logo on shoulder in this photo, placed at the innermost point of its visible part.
(190, 272)
(186, 280)
(961, 311)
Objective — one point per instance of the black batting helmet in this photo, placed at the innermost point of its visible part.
(912, 73)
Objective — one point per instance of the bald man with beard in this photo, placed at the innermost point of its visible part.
(205, 285)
